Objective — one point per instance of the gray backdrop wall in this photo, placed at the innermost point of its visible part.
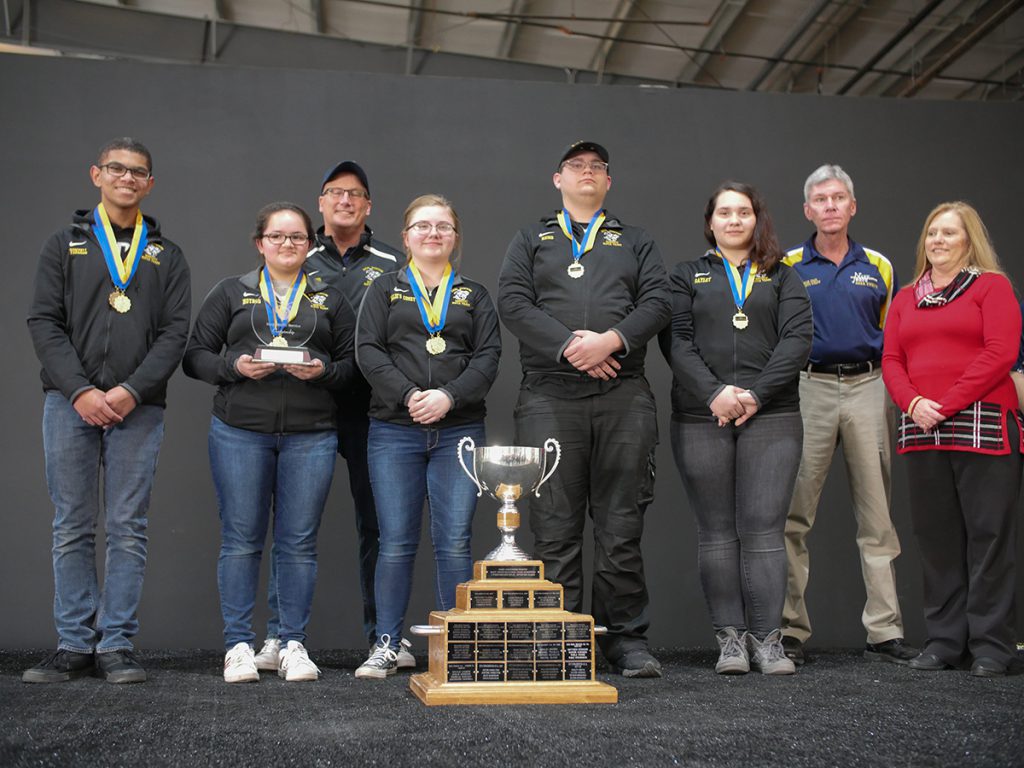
(226, 141)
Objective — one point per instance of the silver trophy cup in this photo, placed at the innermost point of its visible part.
(506, 472)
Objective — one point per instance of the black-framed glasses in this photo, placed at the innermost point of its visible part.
(119, 170)
(336, 193)
(579, 166)
(423, 228)
(278, 238)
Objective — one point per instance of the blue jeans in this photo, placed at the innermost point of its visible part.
(740, 482)
(410, 465)
(77, 456)
(352, 438)
(252, 472)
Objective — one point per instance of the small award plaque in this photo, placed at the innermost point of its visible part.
(509, 640)
(282, 355)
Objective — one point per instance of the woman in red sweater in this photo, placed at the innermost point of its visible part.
(951, 338)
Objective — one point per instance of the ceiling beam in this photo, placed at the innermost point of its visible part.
(913, 23)
(799, 31)
(970, 32)
(721, 22)
(316, 12)
(413, 31)
(819, 46)
(1011, 75)
(508, 35)
(622, 11)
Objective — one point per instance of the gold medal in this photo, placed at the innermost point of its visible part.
(435, 345)
(740, 321)
(279, 341)
(575, 270)
(119, 301)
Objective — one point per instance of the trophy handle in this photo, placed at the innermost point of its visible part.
(472, 450)
(549, 445)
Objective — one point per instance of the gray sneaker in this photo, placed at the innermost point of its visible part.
(383, 661)
(768, 656)
(405, 658)
(733, 658)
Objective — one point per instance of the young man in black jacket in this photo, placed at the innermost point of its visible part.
(584, 293)
(109, 321)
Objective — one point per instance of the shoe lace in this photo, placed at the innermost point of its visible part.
(771, 651)
(297, 655)
(383, 653)
(732, 646)
(270, 645)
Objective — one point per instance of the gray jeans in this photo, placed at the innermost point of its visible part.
(739, 482)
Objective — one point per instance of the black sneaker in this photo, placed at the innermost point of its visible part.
(59, 667)
(794, 650)
(894, 651)
(119, 667)
(637, 662)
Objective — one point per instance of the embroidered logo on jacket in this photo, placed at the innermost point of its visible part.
(317, 300)
(868, 281)
(371, 274)
(611, 238)
(461, 296)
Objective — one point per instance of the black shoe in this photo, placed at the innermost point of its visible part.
(119, 667)
(928, 662)
(986, 666)
(59, 667)
(637, 662)
(794, 650)
(894, 651)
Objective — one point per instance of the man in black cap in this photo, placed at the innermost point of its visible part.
(348, 256)
(584, 293)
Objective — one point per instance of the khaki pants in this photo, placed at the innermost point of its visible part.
(855, 410)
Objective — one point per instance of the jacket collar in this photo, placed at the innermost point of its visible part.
(610, 222)
(251, 280)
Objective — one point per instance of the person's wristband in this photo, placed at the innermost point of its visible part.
(913, 405)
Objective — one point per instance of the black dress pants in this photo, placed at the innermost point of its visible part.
(606, 471)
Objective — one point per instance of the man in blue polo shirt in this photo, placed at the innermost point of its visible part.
(843, 399)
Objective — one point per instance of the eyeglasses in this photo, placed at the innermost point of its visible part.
(336, 193)
(423, 228)
(278, 238)
(118, 170)
(579, 166)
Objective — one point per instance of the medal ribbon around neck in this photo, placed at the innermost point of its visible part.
(433, 313)
(121, 270)
(741, 286)
(276, 319)
(589, 235)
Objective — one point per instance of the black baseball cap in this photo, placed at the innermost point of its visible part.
(347, 166)
(583, 146)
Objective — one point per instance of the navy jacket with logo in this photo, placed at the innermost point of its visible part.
(352, 273)
(233, 321)
(82, 342)
(392, 354)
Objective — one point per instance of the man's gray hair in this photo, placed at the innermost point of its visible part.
(827, 173)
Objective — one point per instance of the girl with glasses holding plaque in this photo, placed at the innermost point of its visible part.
(740, 334)
(275, 342)
(428, 343)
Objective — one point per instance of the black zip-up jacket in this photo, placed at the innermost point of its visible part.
(706, 352)
(391, 349)
(233, 321)
(82, 342)
(624, 288)
(352, 274)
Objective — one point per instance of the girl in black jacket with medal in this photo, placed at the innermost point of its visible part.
(740, 333)
(428, 343)
(272, 436)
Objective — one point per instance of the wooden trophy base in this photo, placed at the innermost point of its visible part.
(508, 641)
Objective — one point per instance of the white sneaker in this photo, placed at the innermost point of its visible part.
(240, 665)
(295, 666)
(269, 656)
(405, 659)
(383, 661)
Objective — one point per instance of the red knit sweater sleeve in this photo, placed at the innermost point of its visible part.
(894, 358)
(1001, 325)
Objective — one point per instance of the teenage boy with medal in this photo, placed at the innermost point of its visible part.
(428, 393)
(109, 320)
(740, 333)
(584, 293)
